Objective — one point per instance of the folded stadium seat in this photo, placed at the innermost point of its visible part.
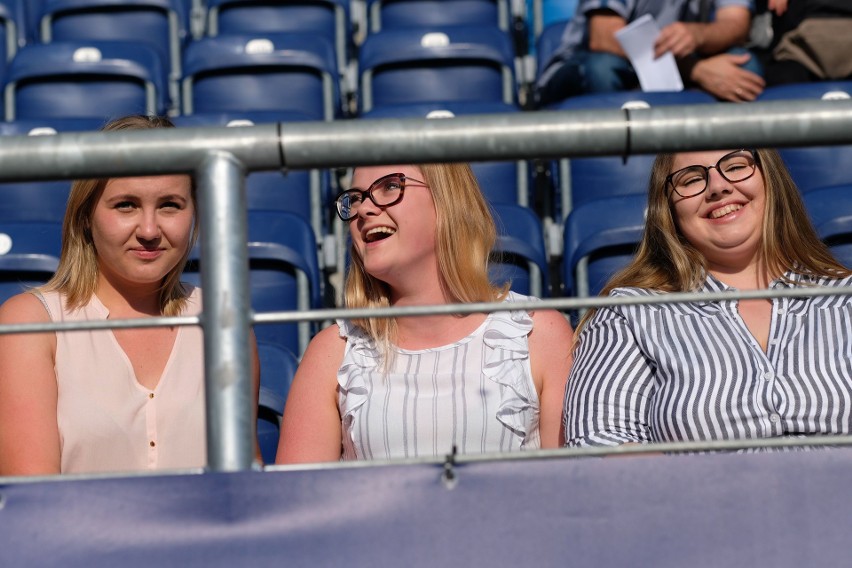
(160, 24)
(277, 368)
(29, 254)
(283, 274)
(453, 63)
(814, 166)
(39, 200)
(547, 42)
(268, 72)
(329, 19)
(519, 255)
(830, 209)
(99, 79)
(398, 14)
(501, 182)
(304, 192)
(579, 180)
(600, 238)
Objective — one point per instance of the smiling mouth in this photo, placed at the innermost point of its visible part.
(726, 210)
(378, 234)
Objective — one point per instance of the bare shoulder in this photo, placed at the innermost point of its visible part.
(324, 353)
(549, 327)
(23, 308)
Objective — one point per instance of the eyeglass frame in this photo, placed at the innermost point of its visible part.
(669, 177)
(369, 193)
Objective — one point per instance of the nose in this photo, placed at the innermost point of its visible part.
(716, 184)
(367, 207)
(148, 228)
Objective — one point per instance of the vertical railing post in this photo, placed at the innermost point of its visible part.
(226, 316)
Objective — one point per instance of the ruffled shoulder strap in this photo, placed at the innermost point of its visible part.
(361, 356)
(507, 363)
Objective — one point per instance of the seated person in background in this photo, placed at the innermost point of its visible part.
(110, 400)
(717, 220)
(420, 386)
(591, 60)
(812, 41)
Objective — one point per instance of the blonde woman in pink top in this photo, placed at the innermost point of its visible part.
(110, 400)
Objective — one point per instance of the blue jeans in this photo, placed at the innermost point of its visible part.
(597, 72)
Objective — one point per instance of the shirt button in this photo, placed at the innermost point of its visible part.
(152, 443)
(771, 342)
(768, 376)
(774, 418)
(780, 311)
(150, 395)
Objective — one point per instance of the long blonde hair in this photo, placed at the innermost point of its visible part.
(665, 261)
(77, 274)
(465, 235)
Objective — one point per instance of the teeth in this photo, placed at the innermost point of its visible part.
(379, 230)
(722, 211)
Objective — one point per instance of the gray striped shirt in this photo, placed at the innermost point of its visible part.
(663, 373)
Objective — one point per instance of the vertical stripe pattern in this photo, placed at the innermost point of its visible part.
(685, 372)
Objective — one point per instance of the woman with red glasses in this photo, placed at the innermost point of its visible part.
(406, 387)
(712, 370)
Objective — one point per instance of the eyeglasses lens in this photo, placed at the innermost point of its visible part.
(384, 192)
(734, 167)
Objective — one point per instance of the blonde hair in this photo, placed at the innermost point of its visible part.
(464, 236)
(77, 274)
(665, 261)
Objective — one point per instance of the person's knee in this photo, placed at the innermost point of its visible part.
(605, 72)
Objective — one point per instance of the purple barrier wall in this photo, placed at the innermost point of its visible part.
(779, 509)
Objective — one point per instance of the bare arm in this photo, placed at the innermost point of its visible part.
(311, 428)
(602, 27)
(550, 356)
(255, 393)
(29, 435)
(729, 29)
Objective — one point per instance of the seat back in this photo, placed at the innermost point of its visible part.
(329, 19)
(283, 274)
(159, 24)
(519, 254)
(269, 72)
(599, 239)
(95, 79)
(830, 209)
(454, 63)
(29, 254)
(277, 369)
(397, 14)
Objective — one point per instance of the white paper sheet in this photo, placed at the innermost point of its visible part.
(655, 74)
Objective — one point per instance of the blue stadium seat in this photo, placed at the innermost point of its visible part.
(519, 254)
(600, 237)
(544, 13)
(38, 200)
(397, 14)
(270, 72)
(826, 90)
(454, 63)
(304, 192)
(97, 79)
(579, 180)
(830, 209)
(501, 182)
(160, 24)
(324, 18)
(29, 254)
(277, 368)
(283, 274)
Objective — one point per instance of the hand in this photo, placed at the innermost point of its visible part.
(778, 6)
(679, 38)
(722, 77)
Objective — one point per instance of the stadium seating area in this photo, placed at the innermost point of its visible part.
(565, 225)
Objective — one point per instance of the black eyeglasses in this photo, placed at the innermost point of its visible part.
(384, 192)
(692, 180)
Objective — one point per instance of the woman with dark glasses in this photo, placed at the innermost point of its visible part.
(421, 386)
(711, 370)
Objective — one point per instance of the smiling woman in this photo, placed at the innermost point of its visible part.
(717, 220)
(115, 400)
(421, 386)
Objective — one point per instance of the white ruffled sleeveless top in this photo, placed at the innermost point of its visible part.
(476, 394)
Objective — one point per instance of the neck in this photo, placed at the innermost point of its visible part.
(130, 301)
